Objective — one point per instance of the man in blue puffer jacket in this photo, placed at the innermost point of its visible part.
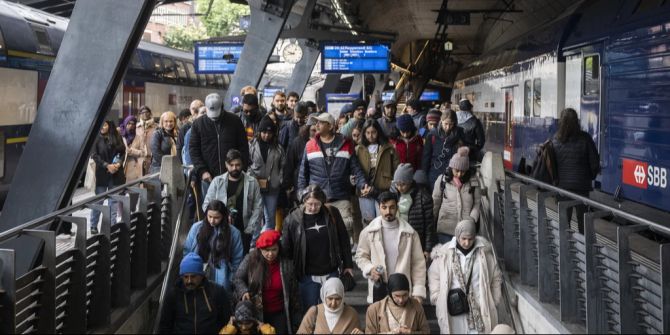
(328, 161)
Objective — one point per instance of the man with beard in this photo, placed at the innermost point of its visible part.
(250, 115)
(279, 112)
(291, 129)
(242, 196)
(390, 245)
(194, 305)
(398, 313)
(388, 120)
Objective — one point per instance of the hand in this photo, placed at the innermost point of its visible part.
(404, 330)
(357, 331)
(112, 168)
(374, 275)
(192, 184)
(349, 271)
(419, 300)
(207, 177)
(246, 297)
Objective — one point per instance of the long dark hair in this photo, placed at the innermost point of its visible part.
(258, 270)
(113, 135)
(381, 137)
(449, 175)
(223, 244)
(568, 125)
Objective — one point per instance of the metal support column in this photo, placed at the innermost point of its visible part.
(547, 279)
(596, 311)
(267, 22)
(527, 265)
(329, 86)
(569, 304)
(629, 321)
(303, 69)
(91, 62)
(357, 84)
(511, 246)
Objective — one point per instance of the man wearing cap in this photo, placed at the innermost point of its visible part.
(289, 130)
(194, 305)
(473, 130)
(388, 120)
(212, 137)
(398, 313)
(328, 161)
(250, 115)
(359, 115)
(413, 108)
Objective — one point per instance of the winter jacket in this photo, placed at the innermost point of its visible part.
(389, 127)
(437, 151)
(377, 322)
(410, 262)
(410, 151)
(203, 310)
(211, 140)
(578, 162)
(252, 206)
(293, 241)
(139, 154)
(223, 275)
(161, 145)
(181, 140)
(486, 284)
(270, 169)
(421, 215)
(250, 122)
(387, 162)
(334, 178)
(294, 155)
(288, 132)
(289, 282)
(452, 205)
(473, 136)
(315, 322)
(104, 150)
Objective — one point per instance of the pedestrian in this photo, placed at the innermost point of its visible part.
(164, 141)
(139, 154)
(212, 137)
(432, 121)
(415, 205)
(267, 160)
(242, 196)
(408, 144)
(578, 161)
(266, 278)
(250, 114)
(388, 119)
(413, 108)
(328, 162)
(391, 245)
(316, 240)
(440, 145)
(108, 152)
(279, 112)
(358, 108)
(378, 160)
(290, 130)
(292, 99)
(128, 128)
(237, 109)
(218, 243)
(195, 195)
(193, 305)
(465, 283)
(244, 322)
(332, 316)
(293, 159)
(473, 130)
(398, 313)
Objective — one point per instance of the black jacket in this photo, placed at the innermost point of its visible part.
(204, 310)
(578, 162)
(104, 150)
(421, 215)
(210, 142)
(288, 132)
(294, 155)
(292, 309)
(161, 145)
(437, 151)
(474, 137)
(180, 139)
(293, 242)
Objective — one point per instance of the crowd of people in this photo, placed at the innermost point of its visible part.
(394, 192)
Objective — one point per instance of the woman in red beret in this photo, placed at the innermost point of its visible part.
(267, 279)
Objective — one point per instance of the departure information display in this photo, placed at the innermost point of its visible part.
(430, 96)
(355, 58)
(217, 58)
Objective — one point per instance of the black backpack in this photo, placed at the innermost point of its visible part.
(545, 166)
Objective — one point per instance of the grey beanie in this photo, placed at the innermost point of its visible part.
(467, 227)
(460, 160)
(404, 173)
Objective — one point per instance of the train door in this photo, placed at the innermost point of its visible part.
(583, 86)
(133, 99)
(508, 151)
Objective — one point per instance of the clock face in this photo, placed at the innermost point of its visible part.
(292, 53)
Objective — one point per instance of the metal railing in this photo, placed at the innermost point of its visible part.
(99, 282)
(608, 279)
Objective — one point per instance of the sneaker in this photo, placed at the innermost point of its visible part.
(94, 230)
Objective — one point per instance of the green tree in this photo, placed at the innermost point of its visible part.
(182, 37)
(223, 18)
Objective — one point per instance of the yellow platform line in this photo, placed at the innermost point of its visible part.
(15, 140)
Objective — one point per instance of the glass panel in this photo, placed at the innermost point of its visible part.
(591, 75)
(158, 66)
(210, 80)
(202, 79)
(170, 71)
(43, 41)
(537, 97)
(135, 62)
(191, 73)
(181, 71)
(528, 98)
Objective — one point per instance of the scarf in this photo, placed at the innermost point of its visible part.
(457, 182)
(332, 286)
(475, 320)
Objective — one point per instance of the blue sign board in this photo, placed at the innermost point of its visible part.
(269, 91)
(430, 96)
(387, 95)
(217, 58)
(335, 102)
(355, 58)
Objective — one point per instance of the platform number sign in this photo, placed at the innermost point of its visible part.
(643, 175)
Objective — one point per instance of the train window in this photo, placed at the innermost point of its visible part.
(591, 75)
(181, 71)
(528, 98)
(43, 41)
(191, 73)
(219, 80)
(169, 69)
(135, 61)
(537, 96)
(158, 66)
(202, 80)
(210, 80)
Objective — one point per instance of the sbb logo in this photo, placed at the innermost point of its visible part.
(643, 175)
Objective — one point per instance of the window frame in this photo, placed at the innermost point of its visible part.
(595, 69)
(537, 97)
(527, 98)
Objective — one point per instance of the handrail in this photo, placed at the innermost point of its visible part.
(14, 232)
(615, 211)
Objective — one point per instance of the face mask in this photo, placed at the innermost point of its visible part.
(212, 114)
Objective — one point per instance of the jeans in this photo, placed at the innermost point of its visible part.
(95, 214)
(369, 209)
(269, 209)
(310, 291)
(444, 238)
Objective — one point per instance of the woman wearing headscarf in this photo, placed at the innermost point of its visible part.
(333, 316)
(128, 129)
(267, 279)
(464, 273)
(398, 313)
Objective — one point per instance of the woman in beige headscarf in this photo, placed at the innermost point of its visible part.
(465, 263)
(333, 316)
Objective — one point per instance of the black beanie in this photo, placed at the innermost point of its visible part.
(250, 99)
(397, 282)
(267, 125)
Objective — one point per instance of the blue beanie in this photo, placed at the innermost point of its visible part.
(192, 263)
(405, 123)
(346, 109)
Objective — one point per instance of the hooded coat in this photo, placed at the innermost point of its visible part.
(451, 205)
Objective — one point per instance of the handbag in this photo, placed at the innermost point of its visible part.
(457, 300)
(348, 281)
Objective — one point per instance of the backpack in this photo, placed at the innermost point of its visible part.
(544, 167)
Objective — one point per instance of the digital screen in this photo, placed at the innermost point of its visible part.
(355, 58)
(387, 95)
(269, 91)
(430, 96)
(217, 58)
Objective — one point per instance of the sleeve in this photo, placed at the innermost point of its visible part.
(241, 277)
(477, 200)
(594, 158)
(429, 224)
(395, 160)
(166, 325)
(238, 251)
(419, 156)
(303, 176)
(357, 171)
(195, 150)
(253, 169)
(190, 243)
(418, 268)
(280, 163)
(363, 257)
(343, 239)
(421, 322)
(308, 323)
(427, 153)
(212, 191)
(286, 240)
(155, 145)
(348, 127)
(120, 146)
(434, 274)
(496, 277)
(481, 135)
(289, 167)
(437, 197)
(283, 135)
(134, 149)
(256, 213)
(95, 155)
(371, 326)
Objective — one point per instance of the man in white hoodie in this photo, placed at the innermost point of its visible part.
(391, 244)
